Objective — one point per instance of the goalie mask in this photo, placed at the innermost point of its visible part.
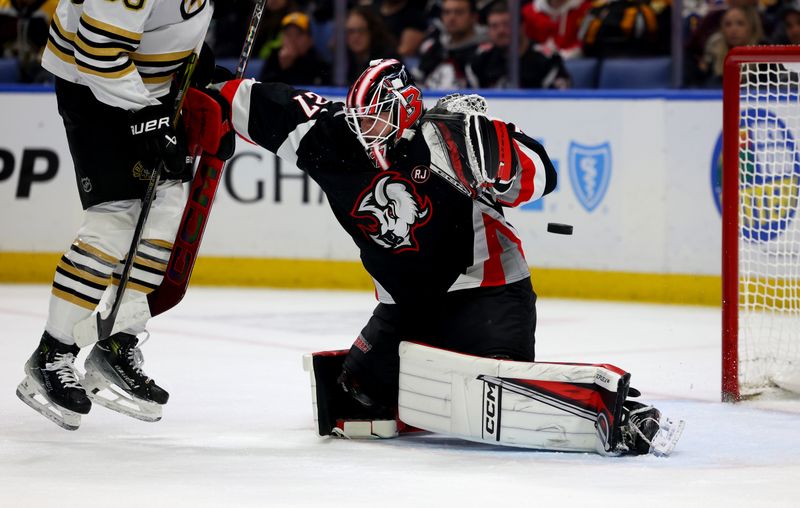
(382, 107)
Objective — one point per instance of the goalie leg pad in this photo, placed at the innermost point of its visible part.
(561, 407)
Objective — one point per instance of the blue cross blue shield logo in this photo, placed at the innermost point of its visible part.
(589, 172)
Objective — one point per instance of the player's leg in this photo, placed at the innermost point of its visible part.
(114, 375)
(498, 322)
(564, 407)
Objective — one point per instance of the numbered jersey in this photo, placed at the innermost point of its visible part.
(418, 235)
(125, 51)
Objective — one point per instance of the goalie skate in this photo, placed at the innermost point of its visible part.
(646, 430)
(114, 380)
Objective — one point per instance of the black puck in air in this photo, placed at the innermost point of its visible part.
(559, 229)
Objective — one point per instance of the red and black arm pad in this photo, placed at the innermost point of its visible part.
(207, 119)
(493, 146)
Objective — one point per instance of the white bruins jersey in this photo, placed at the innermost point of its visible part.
(125, 51)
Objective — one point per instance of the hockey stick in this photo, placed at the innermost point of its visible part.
(187, 241)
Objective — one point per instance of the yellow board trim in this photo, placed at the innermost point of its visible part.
(111, 28)
(27, 267)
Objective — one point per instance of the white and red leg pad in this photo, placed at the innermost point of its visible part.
(550, 406)
(336, 413)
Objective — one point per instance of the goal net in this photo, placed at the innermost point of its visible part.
(761, 224)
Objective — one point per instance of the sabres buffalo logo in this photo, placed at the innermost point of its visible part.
(390, 210)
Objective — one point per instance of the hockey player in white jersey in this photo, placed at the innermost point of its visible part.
(115, 62)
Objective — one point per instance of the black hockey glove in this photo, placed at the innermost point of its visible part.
(207, 72)
(155, 140)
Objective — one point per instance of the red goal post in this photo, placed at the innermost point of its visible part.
(760, 226)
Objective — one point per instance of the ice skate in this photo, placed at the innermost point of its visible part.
(645, 430)
(114, 379)
(51, 384)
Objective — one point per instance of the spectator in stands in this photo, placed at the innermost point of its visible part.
(627, 28)
(232, 19)
(554, 24)
(297, 61)
(789, 32)
(406, 22)
(24, 26)
(740, 26)
(445, 54)
(489, 67)
(367, 39)
(710, 24)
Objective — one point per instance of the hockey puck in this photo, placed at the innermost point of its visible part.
(559, 229)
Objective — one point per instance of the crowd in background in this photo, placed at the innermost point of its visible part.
(451, 44)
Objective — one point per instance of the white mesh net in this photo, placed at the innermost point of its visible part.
(769, 231)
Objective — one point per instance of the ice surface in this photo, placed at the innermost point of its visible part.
(238, 428)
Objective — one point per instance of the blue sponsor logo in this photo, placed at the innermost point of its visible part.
(589, 172)
(769, 175)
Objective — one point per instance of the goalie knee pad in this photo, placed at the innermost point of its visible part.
(340, 407)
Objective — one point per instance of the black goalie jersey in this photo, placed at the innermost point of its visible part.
(419, 236)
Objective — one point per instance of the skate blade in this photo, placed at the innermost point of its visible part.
(667, 437)
(111, 396)
(30, 393)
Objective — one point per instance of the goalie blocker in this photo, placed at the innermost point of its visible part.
(546, 406)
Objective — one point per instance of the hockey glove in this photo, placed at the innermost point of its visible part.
(207, 72)
(155, 140)
(493, 147)
(206, 116)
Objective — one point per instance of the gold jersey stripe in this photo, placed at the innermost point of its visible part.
(112, 51)
(157, 79)
(73, 299)
(110, 75)
(94, 251)
(134, 286)
(161, 57)
(59, 53)
(83, 275)
(160, 243)
(110, 28)
(152, 264)
(67, 35)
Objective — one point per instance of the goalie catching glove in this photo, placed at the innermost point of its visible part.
(477, 154)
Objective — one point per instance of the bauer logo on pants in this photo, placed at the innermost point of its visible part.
(589, 172)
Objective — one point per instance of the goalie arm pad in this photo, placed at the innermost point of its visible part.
(534, 173)
(551, 406)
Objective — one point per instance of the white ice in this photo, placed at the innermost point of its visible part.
(238, 428)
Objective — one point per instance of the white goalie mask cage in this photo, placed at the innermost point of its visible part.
(381, 107)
